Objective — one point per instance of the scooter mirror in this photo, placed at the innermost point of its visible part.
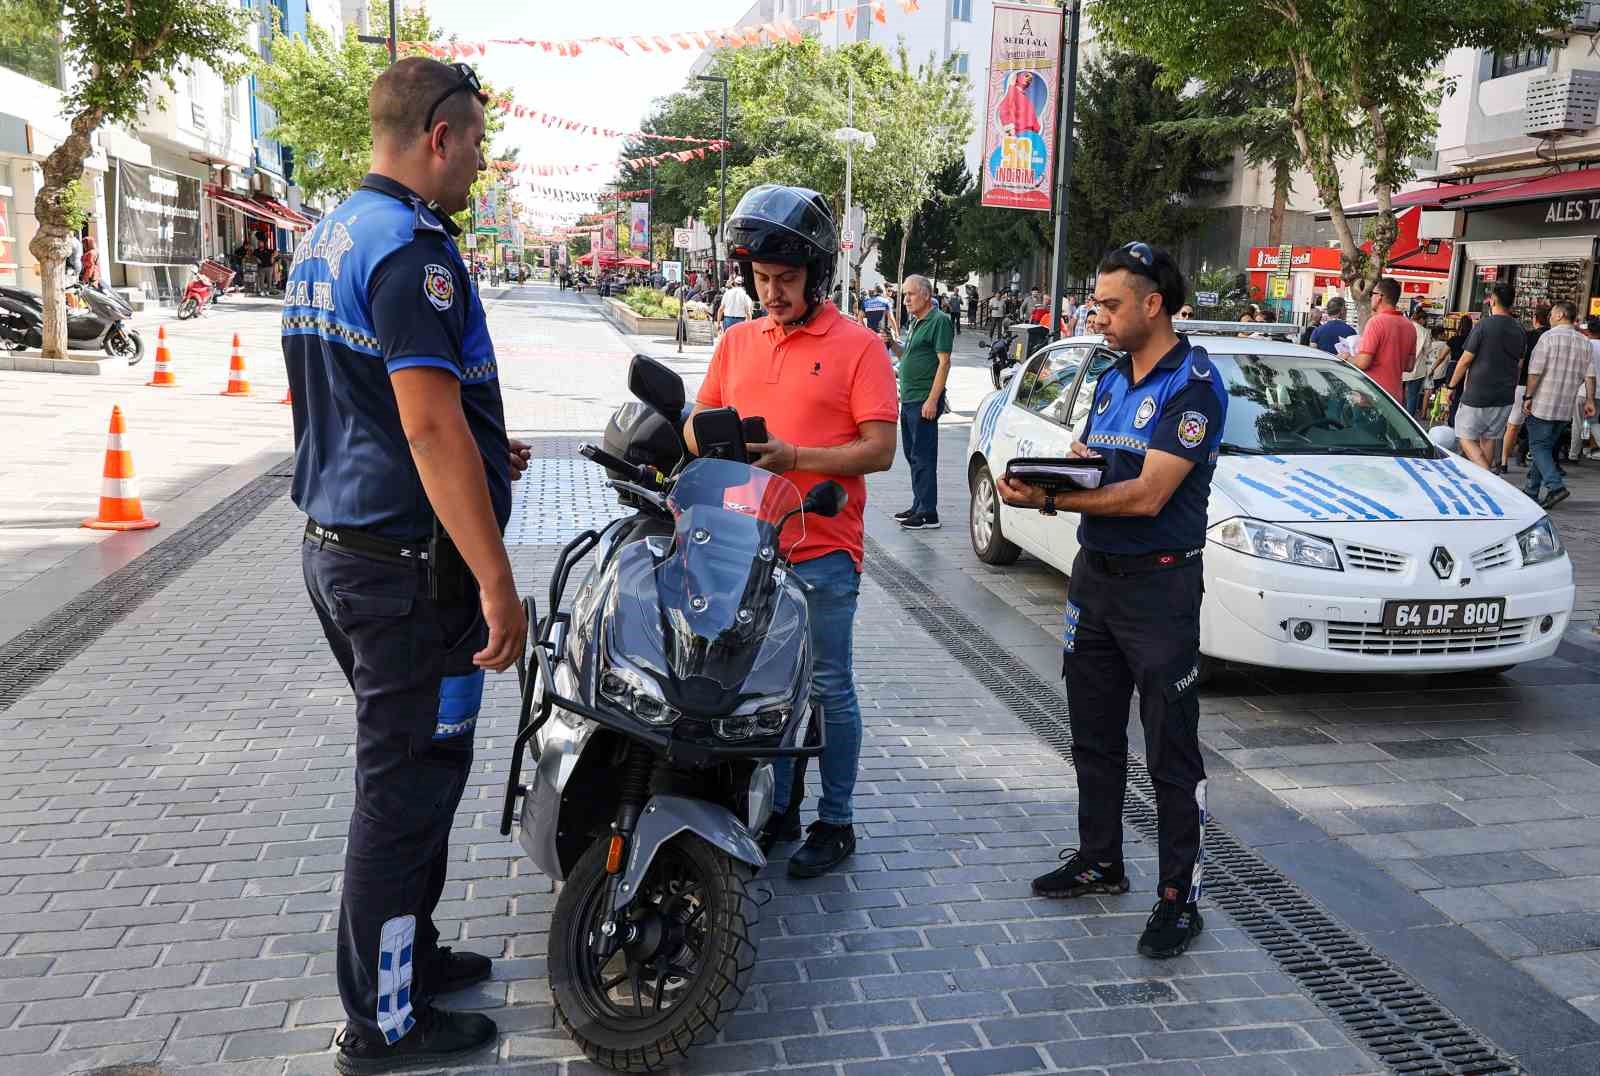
(657, 385)
(826, 499)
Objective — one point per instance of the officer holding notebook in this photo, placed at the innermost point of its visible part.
(1133, 607)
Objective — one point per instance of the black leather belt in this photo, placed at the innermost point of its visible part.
(1140, 563)
(368, 545)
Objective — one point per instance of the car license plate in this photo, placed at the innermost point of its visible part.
(1443, 617)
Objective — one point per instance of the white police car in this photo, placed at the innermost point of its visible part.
(1339, 539)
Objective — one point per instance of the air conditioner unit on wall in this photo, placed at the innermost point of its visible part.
(1562, 103)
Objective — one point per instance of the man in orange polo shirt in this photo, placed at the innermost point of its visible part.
(824, 385)
(1388, 342)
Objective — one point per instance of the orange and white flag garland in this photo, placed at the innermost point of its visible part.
(506, 167)
(767, 33)
(559, 123)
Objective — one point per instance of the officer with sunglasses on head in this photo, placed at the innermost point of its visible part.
(403, 466)
(1133, 606)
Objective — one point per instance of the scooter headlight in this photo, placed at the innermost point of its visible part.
(637, 695)
(768, 722)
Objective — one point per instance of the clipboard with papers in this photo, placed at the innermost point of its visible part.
(1058, 474)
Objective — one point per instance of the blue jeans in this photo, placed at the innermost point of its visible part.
(1414, 395)
(832, 604)
(919, 439)
(730, 322)
(1543, 436)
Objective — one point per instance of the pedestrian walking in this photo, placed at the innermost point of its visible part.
(1133, 604)
(1388, 342)
(997, 314)
(924, 368)
(823, 385)
(404, 469)
(972, 306)
(1416, 375)
(1333, 328)
(1516, 430)
(952, 307)
(874, 309)
(735, 306)
(1560, 371)
(90, 272)
(1487, 379)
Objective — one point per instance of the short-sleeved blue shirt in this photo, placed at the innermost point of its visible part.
(1179, 408)
(378, 286)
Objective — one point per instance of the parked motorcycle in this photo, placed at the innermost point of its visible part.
(1000, 356)
(651, 713)
(200, 294)
(99, 325)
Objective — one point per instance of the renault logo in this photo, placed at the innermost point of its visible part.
(1442, 562)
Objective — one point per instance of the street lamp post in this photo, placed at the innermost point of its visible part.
(1069, 99)
(850, 136)
(393, 39)
(722, 180)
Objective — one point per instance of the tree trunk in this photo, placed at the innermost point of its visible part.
(905, 240)
(50, 244)
(1280, 202)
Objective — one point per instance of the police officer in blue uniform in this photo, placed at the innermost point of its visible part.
(404, 469)
(1133, 606)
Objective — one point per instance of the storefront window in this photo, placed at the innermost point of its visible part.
(30, 39)
(1534, 285)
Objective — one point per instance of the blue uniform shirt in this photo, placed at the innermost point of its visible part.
(379, 286)
(1179, 408)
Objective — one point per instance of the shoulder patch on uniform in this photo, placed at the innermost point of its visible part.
(438, 285)
(1191, 429)
(1105, 402)
(1199, 371)
(1147, 410)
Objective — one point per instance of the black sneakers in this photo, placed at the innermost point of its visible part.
(778, 829)
(924, 522)
(437, 1037)
(454, 971)
(1550, 500)
(903, 516)
(826, 847)
(1172, 925)
(1079, 877)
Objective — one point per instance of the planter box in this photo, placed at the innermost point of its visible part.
(92, 363)
(623, 317)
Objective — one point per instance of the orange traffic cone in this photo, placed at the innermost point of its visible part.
(163, 377)
(120, 509)
(238, 383)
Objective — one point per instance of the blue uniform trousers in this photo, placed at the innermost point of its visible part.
(408, 658)
(1125, 631)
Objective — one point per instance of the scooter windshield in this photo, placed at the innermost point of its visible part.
(719, 598)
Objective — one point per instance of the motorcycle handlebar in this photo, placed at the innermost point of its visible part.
(644, 476)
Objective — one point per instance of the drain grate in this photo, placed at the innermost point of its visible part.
(33, 656)
(1381, 1006)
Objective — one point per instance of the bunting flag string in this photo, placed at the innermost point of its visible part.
(752, 36)
(562, 194)
(511, 108)
(506, 167)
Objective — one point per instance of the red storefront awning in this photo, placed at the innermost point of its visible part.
(296, 221)
(249, 207)
(1583, 181)
(1439, 196)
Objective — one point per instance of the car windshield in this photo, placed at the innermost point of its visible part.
(1300, 404)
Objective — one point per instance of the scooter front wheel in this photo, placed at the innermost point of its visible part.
(188, 308)
(682, 971)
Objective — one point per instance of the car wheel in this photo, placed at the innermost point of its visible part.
(988, 540)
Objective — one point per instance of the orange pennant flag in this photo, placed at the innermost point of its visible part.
(792, 32)
(661, 44)
(823, 16)
(849, 14)
(616, 43)
(644, 46)
(681, 41)
(574, 48)
(878, 12)
(699, 39)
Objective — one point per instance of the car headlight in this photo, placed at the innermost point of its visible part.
(1272, 542)
(637, 695)
(1540, 543)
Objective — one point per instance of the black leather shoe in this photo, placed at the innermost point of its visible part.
(907, 514)
(826, 847)
(436, 1038)
(454, 971)
(780, 828)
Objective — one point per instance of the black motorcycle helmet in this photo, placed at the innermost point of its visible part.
(786, 226)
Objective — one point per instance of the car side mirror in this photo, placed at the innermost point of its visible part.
(1445, 438)
(1007, 374)
(657, 385)
(826, 499)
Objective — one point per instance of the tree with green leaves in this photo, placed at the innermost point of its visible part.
(1249, 113)
(1129, 181)
(934, 240)
(121, 52)
(1365, 79)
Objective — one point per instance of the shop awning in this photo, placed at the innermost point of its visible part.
(297, 221)
(1441, 195)
(251, 208)
(1537, 188)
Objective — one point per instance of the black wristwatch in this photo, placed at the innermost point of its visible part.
(1049, 508)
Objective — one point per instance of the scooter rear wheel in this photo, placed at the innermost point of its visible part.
(673, 984)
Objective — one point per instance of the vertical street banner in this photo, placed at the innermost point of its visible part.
(1019, 143)
(608, 234)
(594, 248)
(639, 228)
(488, 211)
(158, 216)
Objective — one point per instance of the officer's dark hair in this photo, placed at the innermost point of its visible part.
(398, 101)
(1152, 269)
(1502, 294)
(1389, 288)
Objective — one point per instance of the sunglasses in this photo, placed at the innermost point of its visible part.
(468, 81)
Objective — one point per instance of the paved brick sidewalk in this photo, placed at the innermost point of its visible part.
(173, 805)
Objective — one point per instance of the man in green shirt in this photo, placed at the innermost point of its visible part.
(924, 366)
